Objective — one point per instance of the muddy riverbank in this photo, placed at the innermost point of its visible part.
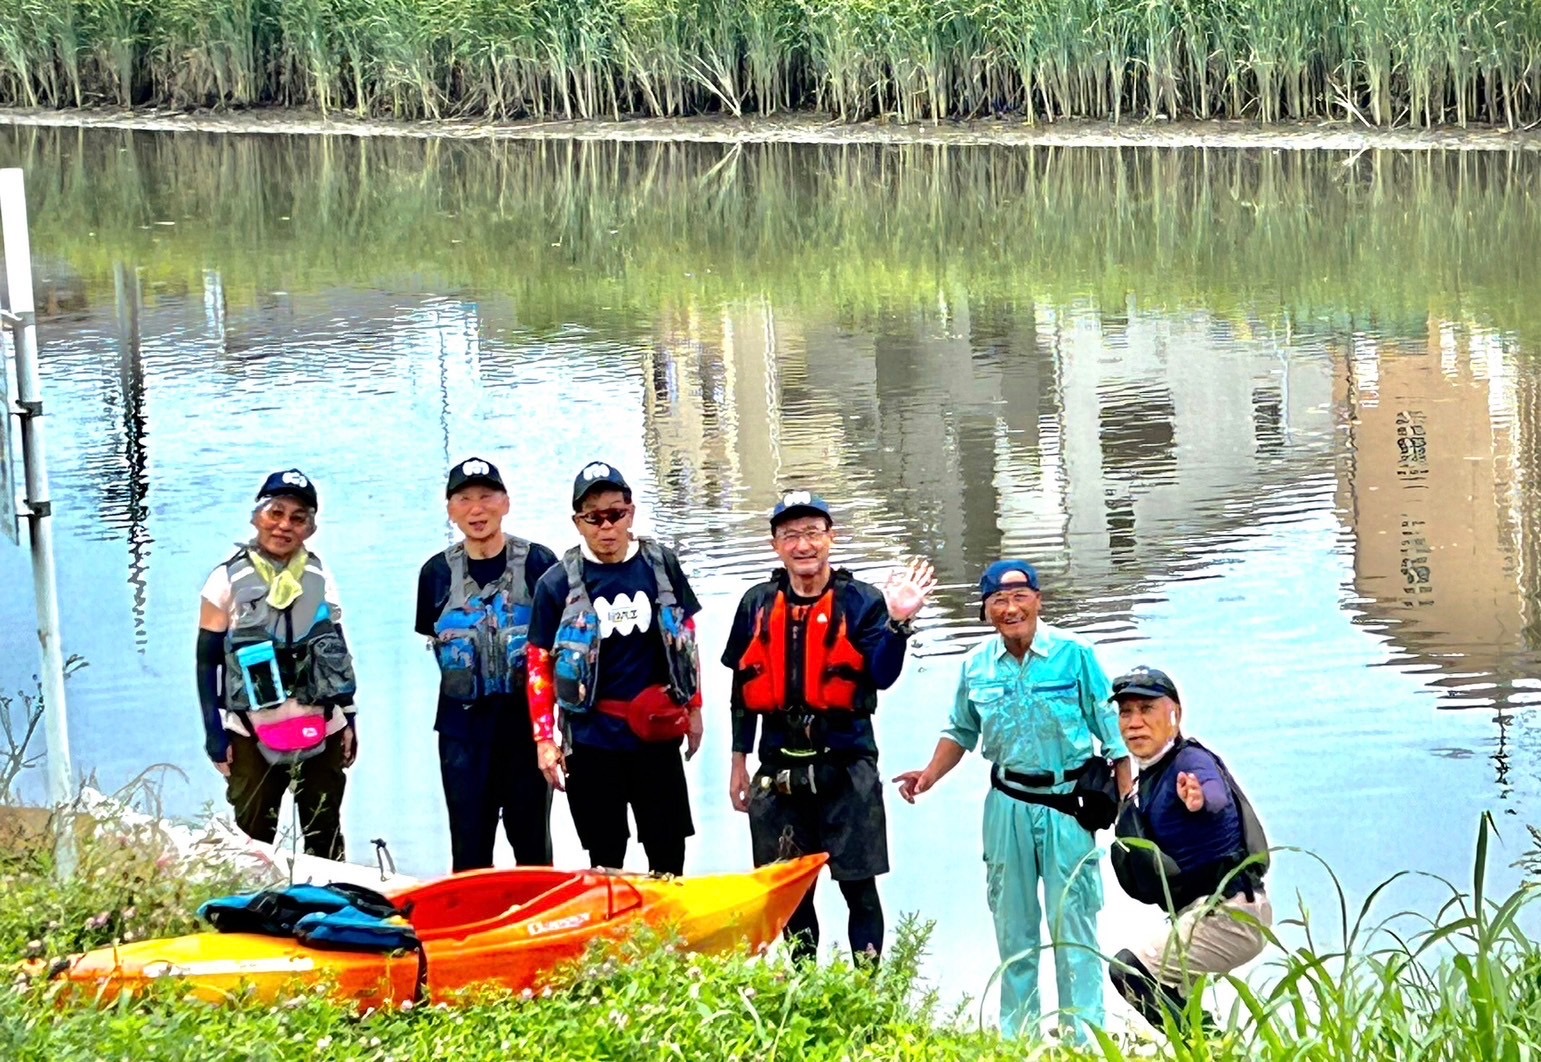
(812, 129)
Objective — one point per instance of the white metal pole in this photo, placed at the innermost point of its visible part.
(29, 397)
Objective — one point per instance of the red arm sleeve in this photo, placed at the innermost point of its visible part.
(542, 694)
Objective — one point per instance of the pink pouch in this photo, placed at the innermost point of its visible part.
(290, 732)
(292, 735)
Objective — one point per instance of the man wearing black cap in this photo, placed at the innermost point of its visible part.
(1208, 863)
(275, 679)
(613, 645)
(473, 602)
(810, 648)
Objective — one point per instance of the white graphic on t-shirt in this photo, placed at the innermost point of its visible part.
(630, 612)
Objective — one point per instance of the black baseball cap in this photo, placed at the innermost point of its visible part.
(291, 482)
(597, 474)
(1145, 682)
(799, 503)
(474, 472)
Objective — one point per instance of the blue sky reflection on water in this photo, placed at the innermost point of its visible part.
(1326, 537)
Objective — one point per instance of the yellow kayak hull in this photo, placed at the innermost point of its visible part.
(500, 928)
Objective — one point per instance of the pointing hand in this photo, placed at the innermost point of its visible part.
(1190, 791)
(914, 783)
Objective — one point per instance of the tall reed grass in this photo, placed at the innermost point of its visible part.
(1381, 62)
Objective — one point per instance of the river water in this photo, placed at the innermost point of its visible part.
(1267, 420)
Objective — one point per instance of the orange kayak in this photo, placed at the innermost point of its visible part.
(505, 928)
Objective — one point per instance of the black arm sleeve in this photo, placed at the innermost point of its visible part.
(430, 586)
(744, 721)
(343, 700)
(211, 659)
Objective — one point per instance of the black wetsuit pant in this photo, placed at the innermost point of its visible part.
(835, 806)
(490, 774)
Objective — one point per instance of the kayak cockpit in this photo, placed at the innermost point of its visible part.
(477, 902)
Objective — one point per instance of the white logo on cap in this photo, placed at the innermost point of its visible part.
(295, 479)
(596, 471)
(796, 497)
(474, 468)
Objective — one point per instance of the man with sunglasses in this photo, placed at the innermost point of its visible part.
(613, 646)
(810, 648)
(473, 602)
(1036, 698)
(275, 679)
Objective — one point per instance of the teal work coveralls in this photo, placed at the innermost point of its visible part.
(1034, 716)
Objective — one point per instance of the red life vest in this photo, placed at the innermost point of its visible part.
(832, 665)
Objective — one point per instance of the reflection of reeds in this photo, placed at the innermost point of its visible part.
(567, 227)
(1417, 62)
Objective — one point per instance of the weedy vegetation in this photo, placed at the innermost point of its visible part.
(1377, 62)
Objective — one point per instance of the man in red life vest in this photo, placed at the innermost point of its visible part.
(810, 648)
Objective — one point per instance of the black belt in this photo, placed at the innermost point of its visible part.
(1068, 803)
(1038, 779)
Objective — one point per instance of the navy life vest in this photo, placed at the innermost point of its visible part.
(483, 632)
(1148, 874)
(575, 651)
(339, 915)
(313, 661)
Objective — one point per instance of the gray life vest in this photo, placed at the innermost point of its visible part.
(483, 632)
(304, 644)
(575, 651)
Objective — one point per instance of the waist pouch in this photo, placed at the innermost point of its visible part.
(1093, 803)
(289, 733)
(652, 715)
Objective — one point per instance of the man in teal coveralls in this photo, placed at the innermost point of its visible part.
(1035, 696)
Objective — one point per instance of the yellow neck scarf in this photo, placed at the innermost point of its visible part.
(283, 586)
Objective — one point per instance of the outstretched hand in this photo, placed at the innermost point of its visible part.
(914, 783)
(906, 589)
(1190, 791)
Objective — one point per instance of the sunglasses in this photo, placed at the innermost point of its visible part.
(295, 518)
(601, 517)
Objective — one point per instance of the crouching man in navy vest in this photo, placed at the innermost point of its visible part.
(1206, 865)
(275, 678)
(613, 646)
(810, 649)
(473, 603)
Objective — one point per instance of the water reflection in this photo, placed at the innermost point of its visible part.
(1268, 418)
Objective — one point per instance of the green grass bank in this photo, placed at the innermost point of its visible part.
(1377, 62)
(1452, 985)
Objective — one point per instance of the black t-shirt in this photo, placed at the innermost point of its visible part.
(631, 656)
(489, 714)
